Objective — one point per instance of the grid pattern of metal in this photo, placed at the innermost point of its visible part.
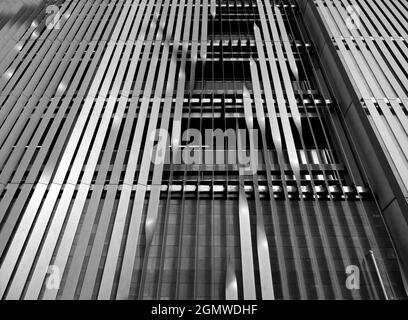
(80, 188)
(371, 38)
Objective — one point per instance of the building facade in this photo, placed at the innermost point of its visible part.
(203, 149)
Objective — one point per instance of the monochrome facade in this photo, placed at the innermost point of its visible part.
(203, 149)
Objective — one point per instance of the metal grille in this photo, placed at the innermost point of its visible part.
(82, 103)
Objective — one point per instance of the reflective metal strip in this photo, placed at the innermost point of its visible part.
(54, 127)
(248, 275)
(194, 44)
(12, 255)
(193, 61)
(80, 250)
(311, 248)
(5, 88)
(72, 27)
(152, 211)
(373, 242)
(330, 24)
(253, 165)
(23, 74)
(14, 108)
(117, 232)
(168, 102)
(197, 232)
(46, 210)
(346, 150)
(386, 71)
(401, 7)
(101, 231)
(338, 232)
(247, 261)
(273, 118)
(400, 114)
(123, 20)
(120, 156)
(14, 54)
(396, 128)
(398, 23)
(49, 245)
(22, 146)
(290, 144)
(286, 79)
(16, 210)
(287, 44)
(28, 217)
(92, 21)
(262, 242)
(358, 244)
(379, 74)
(384, 31)
(213, 8)
(351, 65)
(10, 61)
(21, 114)
(63, 252)
(69, 24)
(150, 226)
(322, 224)
(34, 241)
(135, 220)
(7, 199)
(272, 25)
(399, 162)
(306, 226)
(231, 284)
(261, 121)
(263, 249)
(204, 28)
(166, 213)
(85, 232)
(134, 153)
(13, 37)
(402, 168)
(380, 70)
(176, 129)
(30, 32)
(88, 283)
(288, 138)
(392, 44)
(342, 27)
(43, 262)
(80, 90)
(8, 25)
(59, 88)
(15, 132)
